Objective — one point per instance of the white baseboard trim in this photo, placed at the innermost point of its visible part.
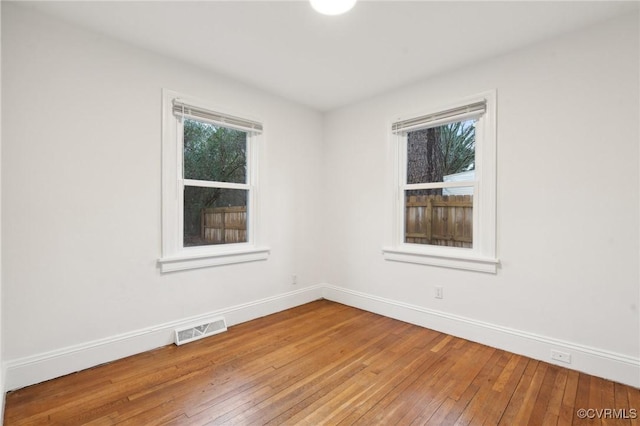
(597, 362)
(26, 371)
(3, 389)
(45, 366)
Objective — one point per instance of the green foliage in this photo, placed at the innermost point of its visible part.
(214, 153)
(457, 147)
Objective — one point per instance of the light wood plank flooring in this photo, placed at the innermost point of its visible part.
(324, 363)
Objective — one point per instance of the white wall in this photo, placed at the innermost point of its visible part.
(81, 204)
(568, 194)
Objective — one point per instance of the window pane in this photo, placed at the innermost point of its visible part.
(441, 217)
(441, 153)
(214, 153)
(214, 216)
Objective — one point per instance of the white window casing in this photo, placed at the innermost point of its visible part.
(482, 256)
(175, 256)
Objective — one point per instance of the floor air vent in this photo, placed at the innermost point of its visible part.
(200, 331)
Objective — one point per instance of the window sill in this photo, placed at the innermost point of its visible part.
(442, 259)
(202, 260)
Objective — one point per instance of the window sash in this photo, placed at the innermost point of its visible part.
(438, 185)
(175, 256)
(183, 183)
(403, 187)
(482, 256)
(215, 184)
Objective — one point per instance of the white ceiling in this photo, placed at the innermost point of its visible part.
(326, 62)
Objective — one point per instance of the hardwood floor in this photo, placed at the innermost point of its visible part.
(325, 363)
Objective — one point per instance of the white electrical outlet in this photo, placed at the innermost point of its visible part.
(561, 356)
(438, 292)
(294, 279)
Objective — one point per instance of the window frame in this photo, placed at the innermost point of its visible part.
(175, 256)
(482, 256)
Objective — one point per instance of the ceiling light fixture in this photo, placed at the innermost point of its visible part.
(332, 7)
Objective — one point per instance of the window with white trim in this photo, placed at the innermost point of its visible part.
(445, 198)
(209, 186)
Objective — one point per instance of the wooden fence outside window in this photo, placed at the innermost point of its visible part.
(443, 220)
(224, 225)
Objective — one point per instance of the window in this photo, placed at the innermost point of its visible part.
(445, 194)
(209, 186)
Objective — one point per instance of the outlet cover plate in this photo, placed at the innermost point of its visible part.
(561, 356)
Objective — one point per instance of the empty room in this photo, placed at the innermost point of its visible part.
(277, 212)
